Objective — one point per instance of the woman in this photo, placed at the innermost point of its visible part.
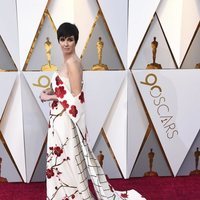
(69, 159)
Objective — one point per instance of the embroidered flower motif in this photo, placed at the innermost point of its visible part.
(50, 148)
(65, 104)
(49, 173)
(58, 151)
(65, 159)
(73, 196)
(81, 97)
(73, 111)
(125, 195)
(54, 104)
(58, 81)
(58, 173)
(60, 91)
(66, 197)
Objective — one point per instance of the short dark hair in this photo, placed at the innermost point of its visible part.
(66, 30)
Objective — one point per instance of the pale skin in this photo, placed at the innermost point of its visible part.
(71, 69)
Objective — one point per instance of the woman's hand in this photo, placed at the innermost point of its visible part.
(44, 96)
(48, 91)
(47, 95)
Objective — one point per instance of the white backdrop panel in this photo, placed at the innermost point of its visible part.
(35, 128)
(8, 169)
(118, 25)
(100, 95)
(175, 119)
(39, 81)
(179, 19)
(61, 11)
(85, 12)
(189, 163)
(139, 17)
(190, 21)
(9, 29)
(115, 127)
(137, 123)
(163, 53)
(40, 169)
(192, 57)
(110, 56)
(109, 164)
(6, 62)
(38, 57)
(170, 16)
(7, 80)
(29, 16)
(12, 127)
(159, 164)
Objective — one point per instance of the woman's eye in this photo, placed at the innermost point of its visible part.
(62, 39)
(70, 39)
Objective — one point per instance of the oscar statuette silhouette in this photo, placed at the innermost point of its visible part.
(196, 155)
(151, 155)
(2, 179)
(100, 158)
(99, 66)
(48, 66)
(154, 65)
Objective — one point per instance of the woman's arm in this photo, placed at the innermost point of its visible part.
(45, 96)
(48, 95)
(75, 77)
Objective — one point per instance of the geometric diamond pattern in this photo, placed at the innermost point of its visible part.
(118, 112)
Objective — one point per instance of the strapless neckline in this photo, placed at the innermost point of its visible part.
(62, 76)
(66, 77)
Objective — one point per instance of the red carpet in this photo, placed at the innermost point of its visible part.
(152, 188)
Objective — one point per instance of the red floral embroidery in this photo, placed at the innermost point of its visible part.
(58, 151)
(73, 111)
(50, 148)
(49, 173)
(68, 158)
(58, 81)
(73, 196)
(54, 104)
(81, 97)
(60, 91)
(125, 195)
(65, 104)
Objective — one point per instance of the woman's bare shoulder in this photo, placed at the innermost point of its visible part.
(74, 64)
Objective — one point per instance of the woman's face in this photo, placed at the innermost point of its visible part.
(67, 44)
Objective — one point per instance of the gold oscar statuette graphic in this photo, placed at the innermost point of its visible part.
(154, 65)
(2, 179)
(151, 157)
(49, 66)
(100, 158)
(100, 66)
(196, 155)
(197, 66)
